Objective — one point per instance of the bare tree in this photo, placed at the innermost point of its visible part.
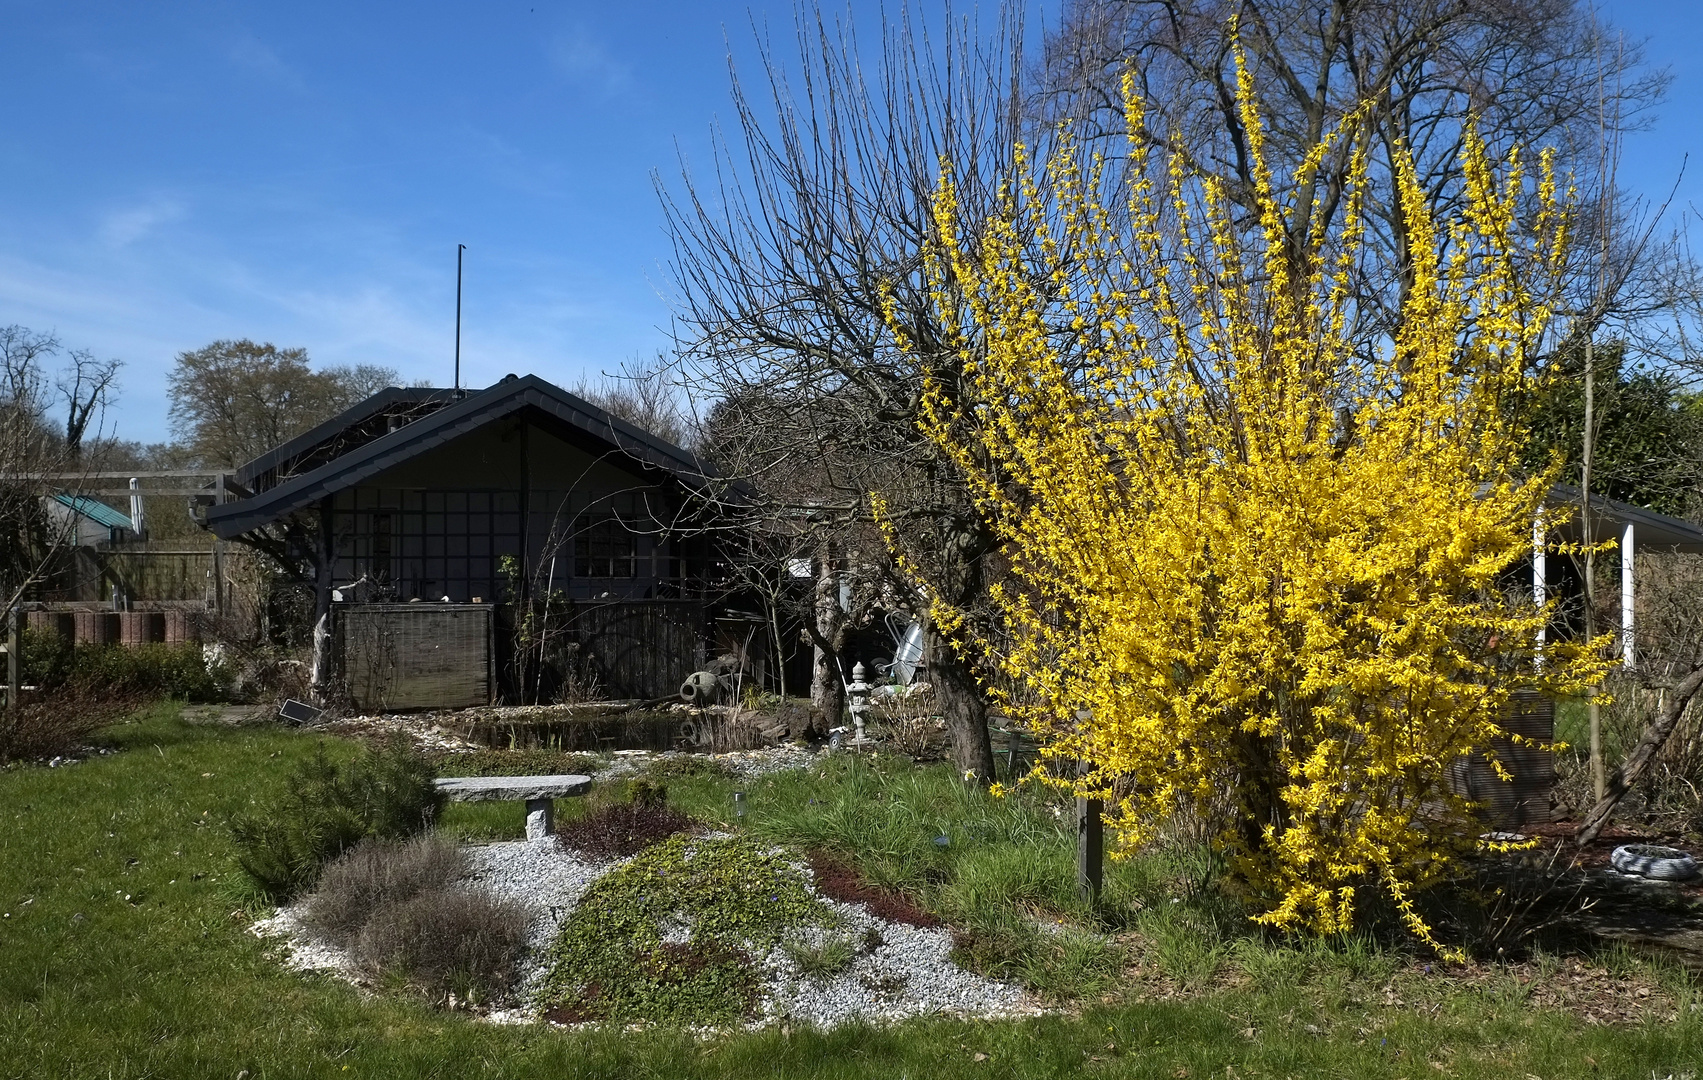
(795, 263)
(23, 353)
(34, 459)
(1531, 72)
(84, 387)
(646, 395)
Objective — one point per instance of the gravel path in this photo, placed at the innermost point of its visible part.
(897, 970)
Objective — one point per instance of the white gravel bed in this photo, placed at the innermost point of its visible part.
(300, 950)
(544, 877)
(909, 973)
(898, 971)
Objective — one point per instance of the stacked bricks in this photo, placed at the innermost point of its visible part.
(96, 627)
(141, 627)
(180, 628)
(60, 624)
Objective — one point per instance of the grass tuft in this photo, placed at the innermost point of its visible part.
(821, 959)
(377, 873)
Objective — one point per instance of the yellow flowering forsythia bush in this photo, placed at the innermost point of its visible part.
(1274, 563)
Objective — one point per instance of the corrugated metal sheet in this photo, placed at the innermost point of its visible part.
(415, 656)
(1524, 799)
(96, 511)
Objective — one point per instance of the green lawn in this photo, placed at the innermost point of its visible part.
(124, 952)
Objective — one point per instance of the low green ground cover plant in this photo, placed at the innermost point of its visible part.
(1000, 871)
(326, 808)
(127, 953)
(668, 936)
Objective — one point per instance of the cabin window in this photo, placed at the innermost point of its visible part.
(604, 548)
(381, 548)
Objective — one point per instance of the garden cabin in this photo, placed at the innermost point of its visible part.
(427, 521)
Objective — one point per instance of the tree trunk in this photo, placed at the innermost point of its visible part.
(827, 684)
(319, 679)
(1638, 761)
(966, 713)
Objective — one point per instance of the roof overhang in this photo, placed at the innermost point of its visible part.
(634, 447)
(1608, 521)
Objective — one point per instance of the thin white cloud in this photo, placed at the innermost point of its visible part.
(584, 60)
(256, 57)
(121, 228)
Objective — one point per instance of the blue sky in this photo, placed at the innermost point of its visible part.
(301, 174)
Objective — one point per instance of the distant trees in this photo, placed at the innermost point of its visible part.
(232, 401)
(644, 395)
(1648, 443)
(33, 443)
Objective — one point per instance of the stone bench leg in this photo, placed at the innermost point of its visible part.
(540, 818)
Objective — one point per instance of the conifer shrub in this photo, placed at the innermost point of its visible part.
(325, 809)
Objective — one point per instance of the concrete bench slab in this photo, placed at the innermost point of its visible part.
(536, 791)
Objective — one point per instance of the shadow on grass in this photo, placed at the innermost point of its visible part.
(123, 953)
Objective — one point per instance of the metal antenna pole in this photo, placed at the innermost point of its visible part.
(459, 248)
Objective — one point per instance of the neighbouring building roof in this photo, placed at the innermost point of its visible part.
(95, 510)
(1650, 531)
(396, 424)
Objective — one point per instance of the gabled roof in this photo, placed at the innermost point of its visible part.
(383, 401)
(644, 451)
(96, 511)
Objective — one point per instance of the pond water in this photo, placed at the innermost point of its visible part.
(708, 732)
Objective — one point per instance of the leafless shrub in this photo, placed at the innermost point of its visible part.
(377, 873)
(447, 941)
(1509, 903)
(910, 724)
(1669, 623)
(58, 722)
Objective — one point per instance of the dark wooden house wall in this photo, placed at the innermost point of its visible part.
(439, 524)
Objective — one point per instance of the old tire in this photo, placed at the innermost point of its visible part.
(1652, 861)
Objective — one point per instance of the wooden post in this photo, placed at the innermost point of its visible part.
(14, 662)
(1540, 576)
(1628, 561)
(1090, 845)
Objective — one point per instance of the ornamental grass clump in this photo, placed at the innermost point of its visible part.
(405, 913)
(1259, 556)
(379, 872)
(671, 936)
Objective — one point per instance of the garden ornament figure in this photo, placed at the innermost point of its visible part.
(858, 692)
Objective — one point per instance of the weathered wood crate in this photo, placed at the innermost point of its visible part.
(1523, 799)
(415, 656)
